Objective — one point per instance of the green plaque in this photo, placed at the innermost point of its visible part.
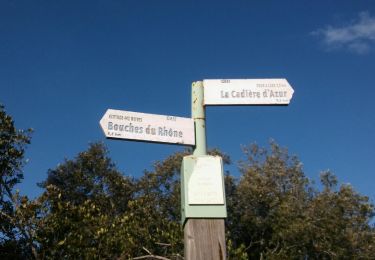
(202, 188)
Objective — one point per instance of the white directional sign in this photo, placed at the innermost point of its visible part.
(247, 92)
(128, 125)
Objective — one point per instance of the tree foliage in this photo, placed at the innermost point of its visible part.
(14, 236)
(90, 210)
(276, 212)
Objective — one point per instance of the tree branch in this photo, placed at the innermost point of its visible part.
(151, 257)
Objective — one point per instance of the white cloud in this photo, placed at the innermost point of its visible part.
(358, 36)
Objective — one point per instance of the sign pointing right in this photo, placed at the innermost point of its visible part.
(247, 92)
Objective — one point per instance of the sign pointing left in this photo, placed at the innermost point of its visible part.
(119, 124)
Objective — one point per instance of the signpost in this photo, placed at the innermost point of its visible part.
(203, 205)
(119, 124)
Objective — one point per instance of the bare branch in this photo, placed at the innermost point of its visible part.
(151, 257)
(148, 251)
(162, 244)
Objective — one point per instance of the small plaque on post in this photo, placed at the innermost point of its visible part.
(206, 182)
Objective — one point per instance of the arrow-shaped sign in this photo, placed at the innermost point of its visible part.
(247, 92)
(136, 126)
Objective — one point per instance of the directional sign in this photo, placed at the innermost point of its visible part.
(128, 125)
(247, 92)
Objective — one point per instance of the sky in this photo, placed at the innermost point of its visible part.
(64, 63)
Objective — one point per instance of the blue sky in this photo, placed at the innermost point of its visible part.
(63, 63)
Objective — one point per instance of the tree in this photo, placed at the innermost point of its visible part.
(86, 201)
(15, 240)
(276, 213)
(90, 210)
(81, 215)
(91, 176)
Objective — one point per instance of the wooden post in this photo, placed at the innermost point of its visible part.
(204, 239)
